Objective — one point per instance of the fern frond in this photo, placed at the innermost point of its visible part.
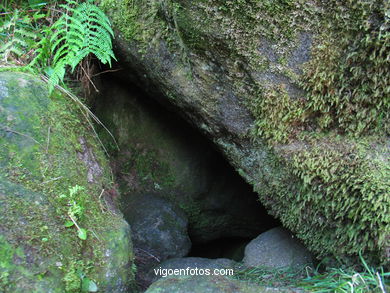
(84, 29)
(18, 38)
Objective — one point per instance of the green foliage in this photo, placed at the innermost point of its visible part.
(75, 279)
(18, 36)
(345, 280)
(43, 43)
(361, 279)
(75, 201)
(345, 185)
(286, 277)
(277, 114)
(80, 31)
(347, 78)
(7, 253)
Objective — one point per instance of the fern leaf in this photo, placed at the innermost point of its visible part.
(82, 30)
(60, 53)
(18, 51)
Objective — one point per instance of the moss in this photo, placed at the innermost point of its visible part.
(341, 192)
(343, 89)
(42, 141)
(7, 253)
(145, 21)
(346, 76)
(344, 191)
(277, 114)
(346, 188)
(149, 167)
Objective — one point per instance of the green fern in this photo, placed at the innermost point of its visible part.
(17, 37)
(28, 40)
(84, 29)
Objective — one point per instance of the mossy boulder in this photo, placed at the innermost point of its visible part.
(295, 94)
(60, 228)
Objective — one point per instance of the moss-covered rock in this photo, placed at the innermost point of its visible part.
(295, 94)
(60, 229)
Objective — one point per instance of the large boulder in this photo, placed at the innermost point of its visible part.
(159, 232)
(60, 228)
(158, 226)
(159, 154)
(211, 284)
(276, 249)
(295, 94)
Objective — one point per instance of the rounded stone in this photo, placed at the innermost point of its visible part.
(275, 249)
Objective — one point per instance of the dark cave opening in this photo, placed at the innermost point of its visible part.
(229, 247)
(226, 214)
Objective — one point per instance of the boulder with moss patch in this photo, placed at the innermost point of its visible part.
(296, 95)
(60, 231)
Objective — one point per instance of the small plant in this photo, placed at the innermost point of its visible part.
(348, 280)
(76, 208)
(270, 277)
(332, 280)
(44, 41)
(82, 30)
(76, 280)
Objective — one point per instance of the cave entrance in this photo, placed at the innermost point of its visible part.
(161, 155)
(228, 247)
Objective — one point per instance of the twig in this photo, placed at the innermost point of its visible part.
(85, 114)
(100, 202)
(106, 71)
(74, 222)
(156, 258)
(48, 139)
(34, 10)
(53, 179)
(93, 232)
(86, 74)
(380, 283)
(7, 129)
(101, 193)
